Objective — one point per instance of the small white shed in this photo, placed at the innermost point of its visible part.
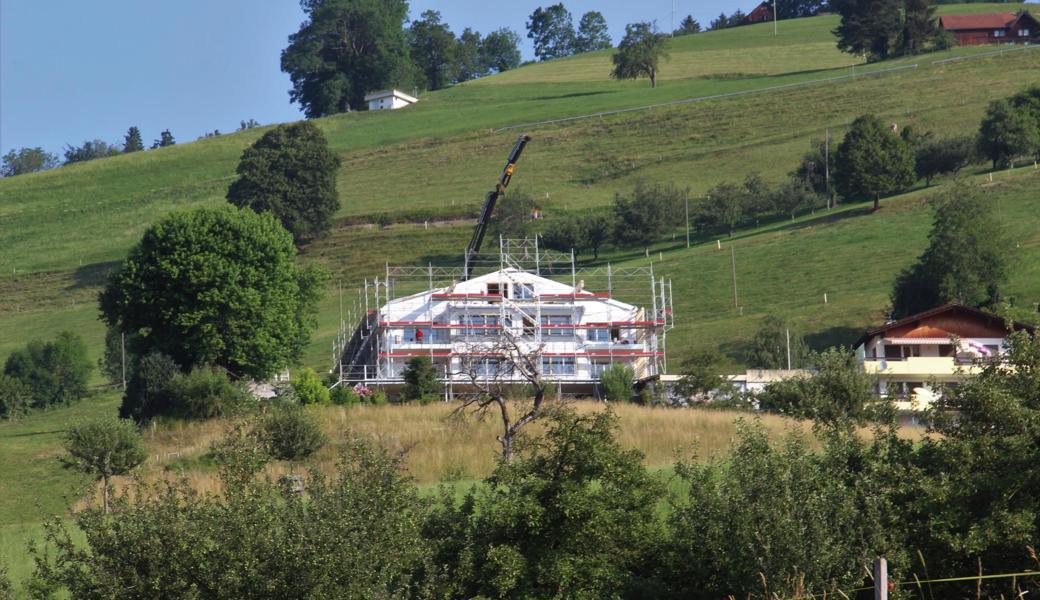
(388, 100)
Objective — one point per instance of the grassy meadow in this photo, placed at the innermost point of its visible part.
(435, 444)
(62, 231)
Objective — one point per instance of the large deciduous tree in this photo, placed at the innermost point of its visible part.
(468, 64)
(873, 161)
(647, 214)
(500, 50)
(1007, 132)
(592, 33)
(639, 53)
(552, 31)
(869, 27)
(344, 49)
(967, 259)
(90, 150)
(291, 172)
(27, 160)
(215, 286)
(432, 47)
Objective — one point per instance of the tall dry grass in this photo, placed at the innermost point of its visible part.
(437, 445)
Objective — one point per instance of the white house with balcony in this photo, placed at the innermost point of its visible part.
(389, 100)
(914, 357)
(572, 333)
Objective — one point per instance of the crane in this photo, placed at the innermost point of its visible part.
(489, 203)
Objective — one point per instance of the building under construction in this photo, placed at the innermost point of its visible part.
(507, 318)
(477, 329)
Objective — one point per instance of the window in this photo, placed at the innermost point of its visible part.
(557, 365)
(999, 33)
(479, 324)
(487, 367)
(523, 291)
(596, 369)
(1023, 33)
(599, 335)
(554, 325)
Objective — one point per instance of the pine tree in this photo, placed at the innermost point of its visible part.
(919, 25)
(687, 26)
(132, 142)
(165, 139)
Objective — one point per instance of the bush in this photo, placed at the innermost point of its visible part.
(616, 382)
(341, 395)
(573, 515)
(839, 392)
(6, 590)
(420, 379)
(290, 434)
(157, 387)
(731, 536)
(309, 388)
(205, 393)
(355, 535)
(56, 372)
(15, 398)
(146, 394)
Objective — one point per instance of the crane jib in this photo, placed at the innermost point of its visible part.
(489, 203)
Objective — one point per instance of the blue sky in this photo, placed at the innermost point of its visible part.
(73, 70)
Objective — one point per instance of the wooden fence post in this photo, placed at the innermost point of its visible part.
(880, 578)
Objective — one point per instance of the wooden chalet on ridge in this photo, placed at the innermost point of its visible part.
(993, 28)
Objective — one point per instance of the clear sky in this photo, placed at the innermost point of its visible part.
(73, 70)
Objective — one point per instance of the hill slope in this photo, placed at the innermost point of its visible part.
(63, 230)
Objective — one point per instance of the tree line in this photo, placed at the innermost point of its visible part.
(330, 75)
(575, 514)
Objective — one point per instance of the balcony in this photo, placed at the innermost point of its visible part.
(921, 367)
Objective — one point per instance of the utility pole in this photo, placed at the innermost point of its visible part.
(880, 578)
(827, 163)
(788, 330)
(673, 16)
(687, 218)
(733, 263)
(122, 356)
(774, 17)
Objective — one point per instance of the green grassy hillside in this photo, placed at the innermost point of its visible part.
(63, 230)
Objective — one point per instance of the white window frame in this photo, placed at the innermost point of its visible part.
(476, 325)
(559, 365)
(558, 320)
(1023, 33)
(523, 291)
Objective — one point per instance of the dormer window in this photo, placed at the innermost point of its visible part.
(523, 291)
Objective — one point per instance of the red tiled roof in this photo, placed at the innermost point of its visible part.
(990, 21)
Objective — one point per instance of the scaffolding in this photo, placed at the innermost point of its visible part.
(418, 298)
